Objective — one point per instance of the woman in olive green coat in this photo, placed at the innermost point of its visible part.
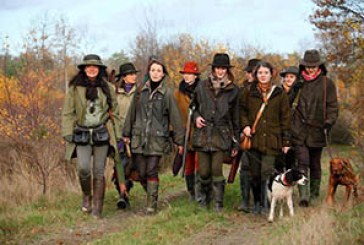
(91, 127)
(152, 113)
(125, 91)
(272, 133)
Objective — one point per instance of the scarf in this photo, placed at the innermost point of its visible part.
(218, 84)
(128, 87)
(91, 88)
(186, 88)
(308, 77)
(264, 89)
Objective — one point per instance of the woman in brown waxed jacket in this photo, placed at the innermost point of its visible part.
(216, 128)
(272, 133)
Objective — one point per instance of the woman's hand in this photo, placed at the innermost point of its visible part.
(247, 131)
(180, 150)
(126, 140)
(234, 152)
(123, 189)
(285, 149)
(200, 122)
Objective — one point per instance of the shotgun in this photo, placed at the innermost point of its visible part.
(185, 145)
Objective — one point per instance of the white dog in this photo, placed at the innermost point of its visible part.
(280, 188)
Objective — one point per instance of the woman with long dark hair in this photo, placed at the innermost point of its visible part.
(91, 128)
(152, 113)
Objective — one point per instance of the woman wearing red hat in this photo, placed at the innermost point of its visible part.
(184, 95)
(216, 128)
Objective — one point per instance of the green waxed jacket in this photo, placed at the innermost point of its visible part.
(73, 113)
(151, 118)
(273, 129)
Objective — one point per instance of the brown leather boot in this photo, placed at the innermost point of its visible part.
(86, 194)
(98, 200)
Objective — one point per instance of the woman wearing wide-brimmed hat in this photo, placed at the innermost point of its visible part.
(216, 128)
(290, 85)
(91, 127)
(125, 91)
(184, 95)
(153, 111)
(315, 114)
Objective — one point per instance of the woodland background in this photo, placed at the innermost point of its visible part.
(33, 84)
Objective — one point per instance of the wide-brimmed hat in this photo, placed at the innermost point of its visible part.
(290, 69)
(91, 59)
(190, 67)
(126, 68)
(221, 60)
(311, 58)
(252, 63)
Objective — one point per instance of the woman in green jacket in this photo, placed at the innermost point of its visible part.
(125, 91)
(152, 113)
(272, 133)
(91, 127)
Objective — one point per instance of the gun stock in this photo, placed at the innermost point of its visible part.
(185, 144)
(234, 168)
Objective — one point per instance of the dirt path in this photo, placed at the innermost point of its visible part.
(95, 229)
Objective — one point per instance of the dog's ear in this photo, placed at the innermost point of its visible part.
(345, 162)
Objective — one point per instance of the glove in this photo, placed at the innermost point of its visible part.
(120, 146)
(68, 138)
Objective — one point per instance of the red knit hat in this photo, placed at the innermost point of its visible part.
(190, 67)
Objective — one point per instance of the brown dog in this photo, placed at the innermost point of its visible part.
(341, 173)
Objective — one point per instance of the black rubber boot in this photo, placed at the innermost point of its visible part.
(257, 201)
(190, 184)
(205, 193)
(245, 191)
(219, 189)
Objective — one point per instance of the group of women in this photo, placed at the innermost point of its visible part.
(102, 119)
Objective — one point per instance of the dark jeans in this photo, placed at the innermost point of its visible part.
(309, 160)
(147, 167)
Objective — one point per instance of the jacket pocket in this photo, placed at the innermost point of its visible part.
(136, 138)
(199, 137)
(221, 138)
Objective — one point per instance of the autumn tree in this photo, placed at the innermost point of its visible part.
(340, 25)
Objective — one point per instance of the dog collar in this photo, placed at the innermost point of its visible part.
(283, 180)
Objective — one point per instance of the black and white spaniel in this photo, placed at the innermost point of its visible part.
(280, 189)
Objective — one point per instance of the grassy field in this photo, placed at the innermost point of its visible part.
(58, 219)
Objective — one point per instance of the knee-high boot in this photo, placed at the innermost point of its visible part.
(264, 196)
(152, 196)
(257, 195)
(205, 192)
(245, 190)
(219, 189)
(197, 187)
(98, 200)
(86, 194)
(190, 184)
(315, 188)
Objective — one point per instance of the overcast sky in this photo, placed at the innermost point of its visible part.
(275, 25)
